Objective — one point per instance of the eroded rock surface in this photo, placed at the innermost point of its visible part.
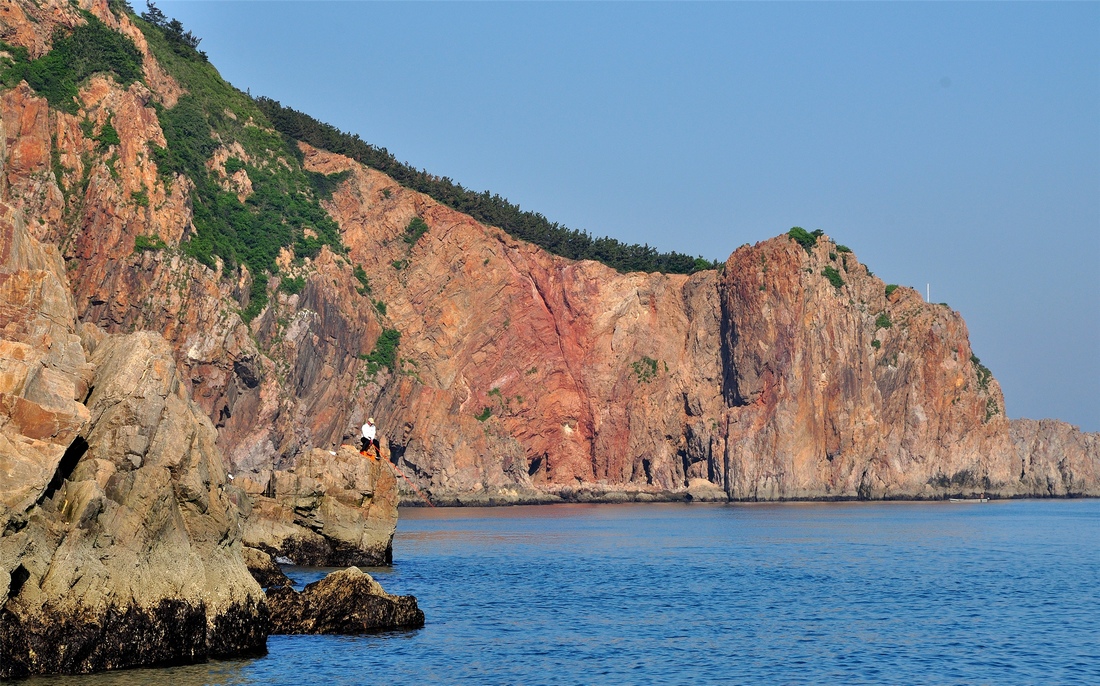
(120, 543)
(520, 376)
(349, 601)
(334, 508)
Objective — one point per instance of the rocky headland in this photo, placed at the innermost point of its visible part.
(122, 530)
(512, 375)
(294, 291)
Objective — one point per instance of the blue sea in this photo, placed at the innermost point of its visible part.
(852, 593)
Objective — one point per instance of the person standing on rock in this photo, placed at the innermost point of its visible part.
(369, 433)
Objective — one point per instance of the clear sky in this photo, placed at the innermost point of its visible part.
(956, 145)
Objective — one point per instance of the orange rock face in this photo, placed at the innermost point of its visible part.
(520, 375)
(44, 375)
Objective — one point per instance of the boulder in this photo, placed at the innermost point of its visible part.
(333, 508)
(349, 601)
(264, 569)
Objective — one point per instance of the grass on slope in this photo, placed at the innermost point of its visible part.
(283, 209)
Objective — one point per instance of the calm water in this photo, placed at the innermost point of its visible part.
(607, 594)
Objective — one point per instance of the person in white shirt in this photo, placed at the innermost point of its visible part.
(369, 432)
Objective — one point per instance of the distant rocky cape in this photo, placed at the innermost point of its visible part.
(131, 387)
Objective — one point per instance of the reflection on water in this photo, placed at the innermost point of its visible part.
(794, 593)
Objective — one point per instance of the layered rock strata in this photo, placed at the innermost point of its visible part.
(520, 376)
(121, 548)
(334, 509)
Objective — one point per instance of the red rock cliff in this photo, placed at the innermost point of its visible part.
(519, 375)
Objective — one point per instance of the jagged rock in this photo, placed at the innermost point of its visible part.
(334, 508)
(44, 375)
(845, 391)
(263, 569)
(349, 601)
(127, 552)
(1057, 459)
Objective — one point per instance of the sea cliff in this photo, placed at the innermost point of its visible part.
(498, 372)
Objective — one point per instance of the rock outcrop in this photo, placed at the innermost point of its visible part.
(1056, 458)
(120, 539)
(520, 376)
(44, 375)
(334, 509)
(349, 601)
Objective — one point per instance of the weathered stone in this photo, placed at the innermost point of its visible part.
(121, 547)
(521, 376)
(335, 508)
(345, 602)
(1056, 458)
(263, 568)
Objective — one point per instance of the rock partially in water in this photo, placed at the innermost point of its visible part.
(123, 548)
(333, 508)
(264, 569)
(349, 601)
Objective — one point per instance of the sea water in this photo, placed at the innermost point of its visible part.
(904, 593)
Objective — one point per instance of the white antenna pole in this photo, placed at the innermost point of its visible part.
(927, 292)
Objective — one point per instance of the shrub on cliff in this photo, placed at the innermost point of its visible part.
(86, 50)
(142, 243)
(982, 371)
(807, 239)
(487, 208)
(833, 276)
(364, 282)
(292, 286)
(417, 227)
(384, 353)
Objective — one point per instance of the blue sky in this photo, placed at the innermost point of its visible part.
(950, 144)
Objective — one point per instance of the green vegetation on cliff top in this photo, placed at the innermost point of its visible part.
(487, 208)
(283, 210)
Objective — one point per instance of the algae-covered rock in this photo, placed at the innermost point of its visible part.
(349, 601)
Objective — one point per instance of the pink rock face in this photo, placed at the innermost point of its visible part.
(44, 375)
(519, 375)
(845, 391)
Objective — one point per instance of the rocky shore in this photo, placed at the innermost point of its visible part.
(121, 539)
(169, 416)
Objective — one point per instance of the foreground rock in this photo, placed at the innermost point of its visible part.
(344, 602)
(121, 548)
(335, 508)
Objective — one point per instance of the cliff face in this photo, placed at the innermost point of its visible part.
(120, 541)
(519, 375)
(838, 388)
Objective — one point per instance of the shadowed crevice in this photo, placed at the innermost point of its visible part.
(65, 468)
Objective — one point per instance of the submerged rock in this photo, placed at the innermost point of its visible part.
(349, 601)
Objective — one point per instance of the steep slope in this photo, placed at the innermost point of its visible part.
(498, 372)
(119, 534)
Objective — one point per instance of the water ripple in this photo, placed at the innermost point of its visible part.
(796, 594)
